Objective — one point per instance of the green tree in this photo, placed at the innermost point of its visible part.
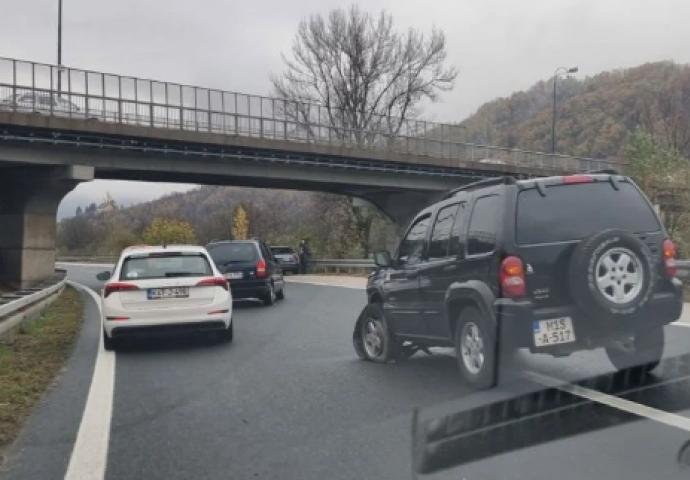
(123, 238)
(240, 224)
(75, 233)
(664, 175)
(169, 231)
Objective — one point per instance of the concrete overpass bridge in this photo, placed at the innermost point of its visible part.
(98, 125)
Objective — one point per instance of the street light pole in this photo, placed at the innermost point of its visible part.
(59, 47)
(559, 71)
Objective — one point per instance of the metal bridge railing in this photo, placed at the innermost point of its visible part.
(82, 94)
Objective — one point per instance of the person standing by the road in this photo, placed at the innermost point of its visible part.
(304, 255)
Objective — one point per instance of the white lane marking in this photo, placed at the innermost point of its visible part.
(90, 453)
(638, 409)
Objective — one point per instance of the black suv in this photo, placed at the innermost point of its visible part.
(556, 265)
(250, 268)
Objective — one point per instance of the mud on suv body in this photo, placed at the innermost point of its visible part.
(555, 265)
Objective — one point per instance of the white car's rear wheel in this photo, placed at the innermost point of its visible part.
(109, 344)
(226, 335)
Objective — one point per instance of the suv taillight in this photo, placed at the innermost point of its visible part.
(261, 268)
(214, 282)
(670, 258)
(512, 277)
(117, 287)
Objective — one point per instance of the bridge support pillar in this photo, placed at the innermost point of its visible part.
(29, 199)
(399, 206)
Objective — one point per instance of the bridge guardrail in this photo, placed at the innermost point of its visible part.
(357, 263)
(86, 95)
(13, 305)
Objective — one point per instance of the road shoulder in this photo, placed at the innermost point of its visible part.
(43, 448)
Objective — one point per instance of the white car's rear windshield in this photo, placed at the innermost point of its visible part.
(148, 266)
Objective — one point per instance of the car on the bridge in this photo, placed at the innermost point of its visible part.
(162, 290)
(46, 104)
(555, 265)
(250, 268)
(287, 257)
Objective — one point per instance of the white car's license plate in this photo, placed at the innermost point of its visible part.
(162, 293)
(553, 331)
(233, 275)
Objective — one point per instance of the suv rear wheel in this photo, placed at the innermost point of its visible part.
(475, 349)
(378, 344)
(640, 351)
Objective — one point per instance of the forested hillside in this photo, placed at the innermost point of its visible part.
(332, 225)
(595, 114)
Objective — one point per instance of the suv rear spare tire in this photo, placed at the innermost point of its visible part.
(611, 273)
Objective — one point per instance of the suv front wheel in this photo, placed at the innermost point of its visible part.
(475, 349)
(640, 351)
(376, 340)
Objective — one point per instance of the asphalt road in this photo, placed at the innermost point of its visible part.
(289, 399)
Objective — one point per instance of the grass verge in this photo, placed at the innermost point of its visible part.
(29, 366)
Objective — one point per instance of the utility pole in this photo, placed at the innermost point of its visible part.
(559, 71)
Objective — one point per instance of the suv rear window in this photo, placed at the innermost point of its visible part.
(571, 212)
(165, 265)
(233, 253)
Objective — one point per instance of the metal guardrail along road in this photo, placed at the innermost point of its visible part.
(326, 264)
(320, 262)
(31, 87)
(14, 303)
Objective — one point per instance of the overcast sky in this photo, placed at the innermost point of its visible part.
(498, 46)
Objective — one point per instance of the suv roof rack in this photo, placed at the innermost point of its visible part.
(506, 180)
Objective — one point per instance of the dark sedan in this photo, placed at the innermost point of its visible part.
(250, 268)
(287, 257)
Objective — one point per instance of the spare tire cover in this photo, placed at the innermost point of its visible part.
(611, 273)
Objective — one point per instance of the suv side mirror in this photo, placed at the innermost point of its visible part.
(104, 276)
(382, 259)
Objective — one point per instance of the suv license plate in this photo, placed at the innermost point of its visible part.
(234, 275)
(163, 293)
(553, 331)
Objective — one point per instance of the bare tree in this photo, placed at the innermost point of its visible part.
(666, 113)
(75, 233)
(360, 77)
